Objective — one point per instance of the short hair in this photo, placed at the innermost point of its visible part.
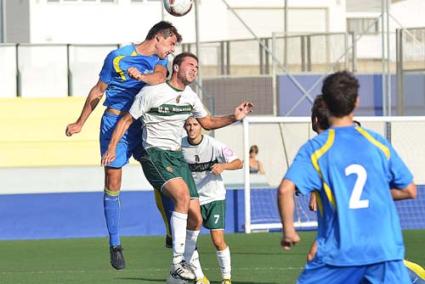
(179, 58)
(253, 149)
(319, 114)
(166, 29)
(340, 92)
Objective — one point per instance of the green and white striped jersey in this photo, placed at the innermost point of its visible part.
(163, 111)
(201, 158)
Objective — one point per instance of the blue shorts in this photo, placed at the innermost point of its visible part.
(383, 272)
(129, 143)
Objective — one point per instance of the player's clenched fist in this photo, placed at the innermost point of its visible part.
(72, 129)
(289, 240)
(217, 169)
(134, 73)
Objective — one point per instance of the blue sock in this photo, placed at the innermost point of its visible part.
(111, 206)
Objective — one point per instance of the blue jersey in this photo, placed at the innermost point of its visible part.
(121, 88)
(353, 170)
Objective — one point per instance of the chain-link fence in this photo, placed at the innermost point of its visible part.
(241, 69)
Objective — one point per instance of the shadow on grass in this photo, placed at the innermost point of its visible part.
(244, 282)
(142, 279)
(212, 282)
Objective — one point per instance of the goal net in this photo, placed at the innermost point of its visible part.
(278, 140)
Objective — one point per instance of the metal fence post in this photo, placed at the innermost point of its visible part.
(69, 74)
(302, 38)
(18, 73)
(354, 53)
(399, 71)
(309, 53)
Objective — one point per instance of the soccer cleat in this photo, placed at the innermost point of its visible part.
(168, 241)
(182, 271)
(203, 280)
(117, 257)
(226, 281)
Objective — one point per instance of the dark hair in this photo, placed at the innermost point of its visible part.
(319, 114)
(166, 29)
(340, 92)
(179, 58)
(253, 149)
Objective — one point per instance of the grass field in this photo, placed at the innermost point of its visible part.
(256, 258)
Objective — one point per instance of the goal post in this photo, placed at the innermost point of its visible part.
(281, 137)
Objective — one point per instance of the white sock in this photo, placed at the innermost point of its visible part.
(178, 230)
(190, 246)
(196, 265)
(223, 258)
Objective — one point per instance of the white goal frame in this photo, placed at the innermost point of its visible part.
(249, 227)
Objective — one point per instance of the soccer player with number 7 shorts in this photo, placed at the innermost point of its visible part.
(207, 159)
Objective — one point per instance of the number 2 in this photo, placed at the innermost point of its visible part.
(355, 201)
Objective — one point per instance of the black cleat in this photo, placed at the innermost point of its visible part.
(168, 241)
(117, 257)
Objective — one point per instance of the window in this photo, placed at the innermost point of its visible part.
(363, 25)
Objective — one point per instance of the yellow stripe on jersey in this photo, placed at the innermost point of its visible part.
(117, 67)
(329, 194)
(419, 270)
(315, 160)
(375, 142)
(134, 53)
(160, 205)
(319, 203)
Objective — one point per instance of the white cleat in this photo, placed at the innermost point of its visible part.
(182, 271)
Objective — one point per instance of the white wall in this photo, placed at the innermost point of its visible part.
(126, 21)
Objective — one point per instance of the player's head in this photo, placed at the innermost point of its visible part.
(185, 67)
(340, 92)
(253, 150)
(193, 128)
(319, 115)
(165, 36)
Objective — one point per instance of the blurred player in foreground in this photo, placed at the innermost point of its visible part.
(320, 122)
(147, 63)
(353, 169)
(207, 159)
(164, 108)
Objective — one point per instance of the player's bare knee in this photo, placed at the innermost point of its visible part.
(182, 201)
(113, 179)
(194, 220)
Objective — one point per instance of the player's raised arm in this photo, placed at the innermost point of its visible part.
(122, 126)
(215, 122)
(286, 204)
(94, 97)
(157, 77)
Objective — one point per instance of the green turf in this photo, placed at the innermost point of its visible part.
(256, 258)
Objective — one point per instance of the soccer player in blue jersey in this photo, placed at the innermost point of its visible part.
(125, 72)
(320, 122)
(353, 169)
